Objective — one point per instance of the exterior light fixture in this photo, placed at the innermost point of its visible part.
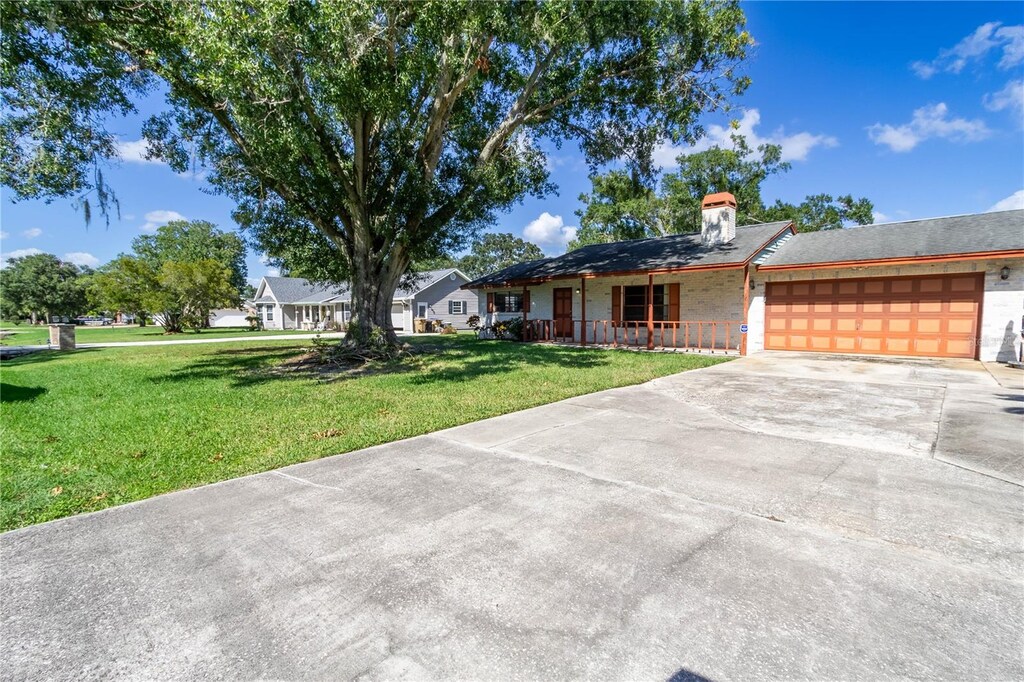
(751, 285)
(578, 289)
(1004, 273)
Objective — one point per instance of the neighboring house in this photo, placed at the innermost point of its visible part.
(231, 317)
(943, 287)
(295, 303)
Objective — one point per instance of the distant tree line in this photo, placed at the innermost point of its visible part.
(176, 277)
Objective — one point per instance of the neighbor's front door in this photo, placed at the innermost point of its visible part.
(563, 312)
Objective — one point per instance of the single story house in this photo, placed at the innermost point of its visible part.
(231, 317)
(941, 287)
(296, 303)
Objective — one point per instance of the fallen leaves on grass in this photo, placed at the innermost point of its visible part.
(54, 492)
(218, 457)
(98, 498)
(329, 433)
(50, 439)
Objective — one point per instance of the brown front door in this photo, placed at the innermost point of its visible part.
(935, 315)
(563, 313)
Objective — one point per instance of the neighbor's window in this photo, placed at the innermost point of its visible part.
(456, 307)
(634, 303)
(508, 303)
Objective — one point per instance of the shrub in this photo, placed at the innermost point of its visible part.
(474, 322)
(511, 330)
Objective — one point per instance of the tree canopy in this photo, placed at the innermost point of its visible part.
(41, 286)
(622, 205)
(187, 241)
(378, 132)
(496, 251)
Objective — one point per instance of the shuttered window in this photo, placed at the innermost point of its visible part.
(634, 303)
(508, 303)
(456, 307)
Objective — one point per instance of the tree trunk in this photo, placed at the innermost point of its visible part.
(373, 289)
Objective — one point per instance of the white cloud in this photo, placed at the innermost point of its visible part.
(549, 229)
(134, 151)
(795, 147)
(4, 234)
(879, 217)
(82, 258)
(128, 216)
(31, 233)
(273, 272)
(18, 253)
(1010, 97)
(974, 48)
(928, 122)
(155, 219)
(1014, 201)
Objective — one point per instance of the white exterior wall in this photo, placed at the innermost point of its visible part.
(1002, 305)
(228, 317)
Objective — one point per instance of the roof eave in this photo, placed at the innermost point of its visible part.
(896, 260)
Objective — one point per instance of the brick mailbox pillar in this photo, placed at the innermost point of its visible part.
(62, 336)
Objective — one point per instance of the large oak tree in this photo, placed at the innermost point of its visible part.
(361, 134)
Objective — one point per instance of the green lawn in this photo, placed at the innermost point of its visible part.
(28, 335)
(95, 428)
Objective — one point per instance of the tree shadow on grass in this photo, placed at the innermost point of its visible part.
(248, 366)
(38, 356)
(485, 358)
(433, 361)
(9, 393)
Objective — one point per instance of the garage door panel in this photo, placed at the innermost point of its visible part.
(936, 315)
(962, 306)
(964, 284)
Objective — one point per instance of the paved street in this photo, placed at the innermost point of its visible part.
(773, 517)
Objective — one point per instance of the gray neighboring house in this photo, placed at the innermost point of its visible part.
(296, 303)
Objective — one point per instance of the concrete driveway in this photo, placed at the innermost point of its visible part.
(773, 517)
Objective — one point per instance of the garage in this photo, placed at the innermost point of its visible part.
(398, 316)
(929, 316)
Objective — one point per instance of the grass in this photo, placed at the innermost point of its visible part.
(98, 427)
(28, 335)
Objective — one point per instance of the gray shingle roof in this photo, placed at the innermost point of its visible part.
(421, 281)
(675, 252)
(298, 290)
(979, 233)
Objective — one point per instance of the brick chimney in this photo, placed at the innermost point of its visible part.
(718, 219)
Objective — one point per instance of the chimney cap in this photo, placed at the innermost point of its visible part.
(718, 199)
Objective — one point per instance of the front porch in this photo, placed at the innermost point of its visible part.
(700, 311)
(695, 336)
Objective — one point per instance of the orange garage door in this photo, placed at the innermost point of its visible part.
(935, 316)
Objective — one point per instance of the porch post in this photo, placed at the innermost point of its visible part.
(583, 311)
(526, 312)
(746, 307)
(650, 312)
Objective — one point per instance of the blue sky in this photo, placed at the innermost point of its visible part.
(917, 106)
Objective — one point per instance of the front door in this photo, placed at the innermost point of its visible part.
(563, 313)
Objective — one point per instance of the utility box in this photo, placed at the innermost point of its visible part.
(62, 336)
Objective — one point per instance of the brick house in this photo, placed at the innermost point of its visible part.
(943, 287)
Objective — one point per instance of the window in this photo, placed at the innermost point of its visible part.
(634, 303)
(270, 313)
(421, 310)
(456, 307)
(508, 303)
